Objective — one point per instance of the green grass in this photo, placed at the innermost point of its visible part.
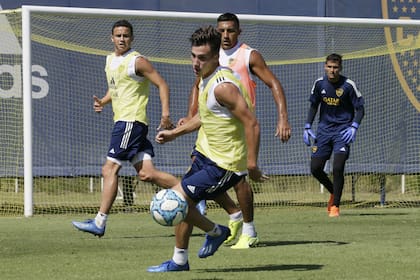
(81, 195)
(296, 243)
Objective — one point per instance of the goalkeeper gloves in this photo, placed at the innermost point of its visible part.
(308, 134)
(349, 134)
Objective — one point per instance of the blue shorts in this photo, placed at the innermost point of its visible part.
(326, 143)
(206, 180)
(128, 140)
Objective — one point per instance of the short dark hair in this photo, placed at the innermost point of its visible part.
(207, 35)
(229, 17)
(123, 23)
(334, 57)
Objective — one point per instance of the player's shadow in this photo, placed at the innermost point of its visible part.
(376, 214)
(169, 235)
(299, 242)
(268, 267)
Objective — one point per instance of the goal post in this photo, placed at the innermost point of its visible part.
(65, 142)
(27, 111)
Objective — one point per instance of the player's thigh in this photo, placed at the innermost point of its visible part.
(340, 147)
(206, 180)
(323, 146)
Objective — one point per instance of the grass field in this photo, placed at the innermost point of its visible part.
(81, 195)
(296, 243)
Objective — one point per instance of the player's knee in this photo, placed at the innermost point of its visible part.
(316, 170)
(338, 171)
(108, 170)
(338, 166)
(146, 176)
(317, 166)
(244, 189)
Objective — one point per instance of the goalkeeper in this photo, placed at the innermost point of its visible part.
(341, 109)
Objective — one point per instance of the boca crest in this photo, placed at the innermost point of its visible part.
(404, 46)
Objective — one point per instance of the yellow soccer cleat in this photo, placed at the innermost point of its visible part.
(234, 227)
(245, 242)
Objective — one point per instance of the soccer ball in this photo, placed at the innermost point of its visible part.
(168, 207)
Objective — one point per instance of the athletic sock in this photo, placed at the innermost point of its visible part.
(100, 219)
(216, 231)
(249, 229)
(180, 256)
(236, 216)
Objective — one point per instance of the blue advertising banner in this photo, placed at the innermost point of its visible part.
(70, 139)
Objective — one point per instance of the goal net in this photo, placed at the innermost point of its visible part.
(68, 140)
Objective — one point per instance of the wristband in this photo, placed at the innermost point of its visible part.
(355, 125)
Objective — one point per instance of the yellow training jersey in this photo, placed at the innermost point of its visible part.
(221, 137)
(129, 92)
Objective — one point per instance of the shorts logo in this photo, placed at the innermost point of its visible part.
(191, 188)
(403, 44)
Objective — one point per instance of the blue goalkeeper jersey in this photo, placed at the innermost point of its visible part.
(337, 101)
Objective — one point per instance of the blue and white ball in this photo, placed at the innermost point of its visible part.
(168, 207)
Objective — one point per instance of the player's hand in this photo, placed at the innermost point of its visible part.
(165, 123)
(182, 121)
(256, 175)
(308, 134)
(164, 136)
(283, 130)
(97, 104)
(349, 134)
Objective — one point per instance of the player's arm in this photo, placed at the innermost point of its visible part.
(99, 103)
(230, 97)
(314, 99)
(308, 134)
(313, 109)
(349, 134)
(359, 106)
(168, 135)
(192, 103)
(359, 113)
(145, 68)
(260, 69)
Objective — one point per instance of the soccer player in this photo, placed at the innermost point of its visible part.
(247, 63)
(226, 147)
(129, 75)
(341, 109)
